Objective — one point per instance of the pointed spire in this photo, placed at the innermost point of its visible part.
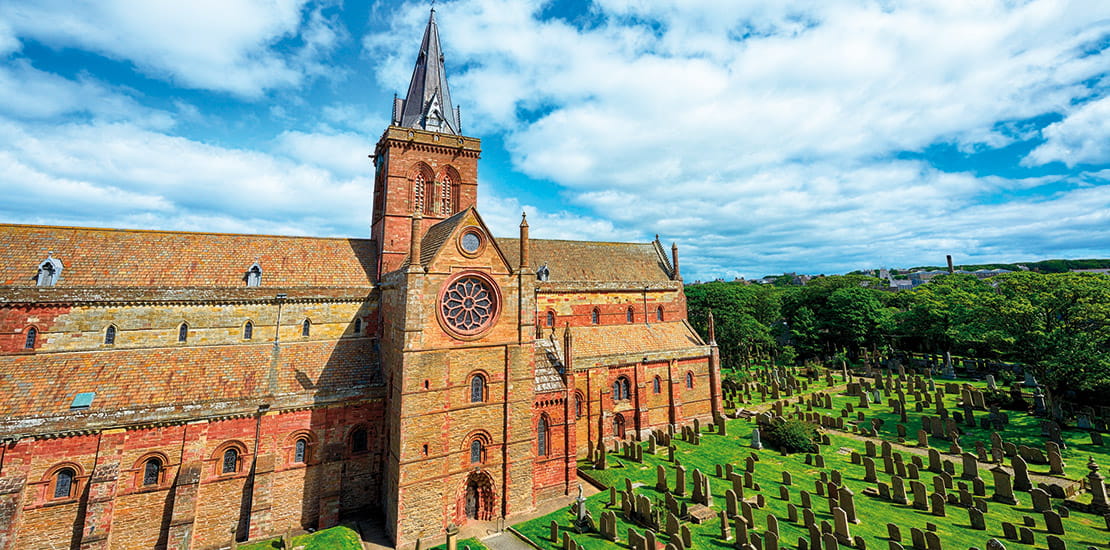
(428, 105)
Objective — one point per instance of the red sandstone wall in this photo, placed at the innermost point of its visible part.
(285, 495)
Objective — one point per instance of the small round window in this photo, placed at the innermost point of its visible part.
(470, 242)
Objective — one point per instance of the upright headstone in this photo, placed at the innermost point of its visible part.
(1003, 491)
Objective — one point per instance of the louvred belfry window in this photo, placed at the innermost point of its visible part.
(418, 193)
(445, 196)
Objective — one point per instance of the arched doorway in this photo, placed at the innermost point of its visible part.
(477, 498)
(618, 426)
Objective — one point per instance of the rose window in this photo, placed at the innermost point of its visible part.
(468, 305)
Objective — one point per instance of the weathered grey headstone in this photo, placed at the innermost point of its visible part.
(978, 523)
(920, 500)
(936, 504)
(1003, 491)
(1025, 535)
(1041, 500)
(1053, 523)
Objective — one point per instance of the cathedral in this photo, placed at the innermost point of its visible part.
(179, 390)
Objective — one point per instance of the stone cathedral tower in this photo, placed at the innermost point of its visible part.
(422, 163)
(458, 332)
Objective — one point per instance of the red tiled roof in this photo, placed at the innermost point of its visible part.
(46, 383)
(634, 338)
(585, 261)
(136, 258)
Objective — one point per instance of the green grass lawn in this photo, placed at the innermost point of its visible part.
(335, 538)
(954, 530)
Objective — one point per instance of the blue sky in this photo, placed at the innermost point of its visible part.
(814, 136)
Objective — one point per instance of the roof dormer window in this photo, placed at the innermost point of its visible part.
(543, 273)
(254, 275)
(49, 271)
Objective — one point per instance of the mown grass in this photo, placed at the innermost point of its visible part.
(335, 538)
(954, 530)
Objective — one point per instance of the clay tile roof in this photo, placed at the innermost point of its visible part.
(596, 341)
(585, 261)
(437, 235)
(137, 258)
(46, 383)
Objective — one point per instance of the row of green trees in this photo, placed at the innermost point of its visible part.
(1056, 324)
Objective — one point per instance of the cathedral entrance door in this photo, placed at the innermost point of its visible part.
(471, 500)
(478, 497)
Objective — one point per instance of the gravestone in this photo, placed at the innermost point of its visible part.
(920, 500)
(936, 504)
(1021, 474)
(1041, 501)
(898, 490)
(1053, 523)
(1003, 491)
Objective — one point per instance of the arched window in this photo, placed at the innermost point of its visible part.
(541, 436)
(300, 450)
(430, 198)
(358, 325)
(656, 385)
(445, 196)
(630, 316)
(254, 275)
(248, 330)
(110, 335)
(550, 318)
(476, 451)
(659, 313)
(689, 380)
(183, 332)
(306, 328)
(477, 388)
(418, 193)
(63, 483)
(595, 316)
(618, 426)
(358, 441)
(32, 335)
(231, 461)
(152, 472)
(622, 389)
(577, 405)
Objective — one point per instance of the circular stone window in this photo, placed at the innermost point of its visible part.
(471, 242)
(469, 305)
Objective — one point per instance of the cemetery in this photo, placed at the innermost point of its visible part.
(912, 455)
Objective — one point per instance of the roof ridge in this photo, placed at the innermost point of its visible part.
(577, 241)
(176, 232)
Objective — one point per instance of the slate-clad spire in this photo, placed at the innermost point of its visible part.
(428, 103)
